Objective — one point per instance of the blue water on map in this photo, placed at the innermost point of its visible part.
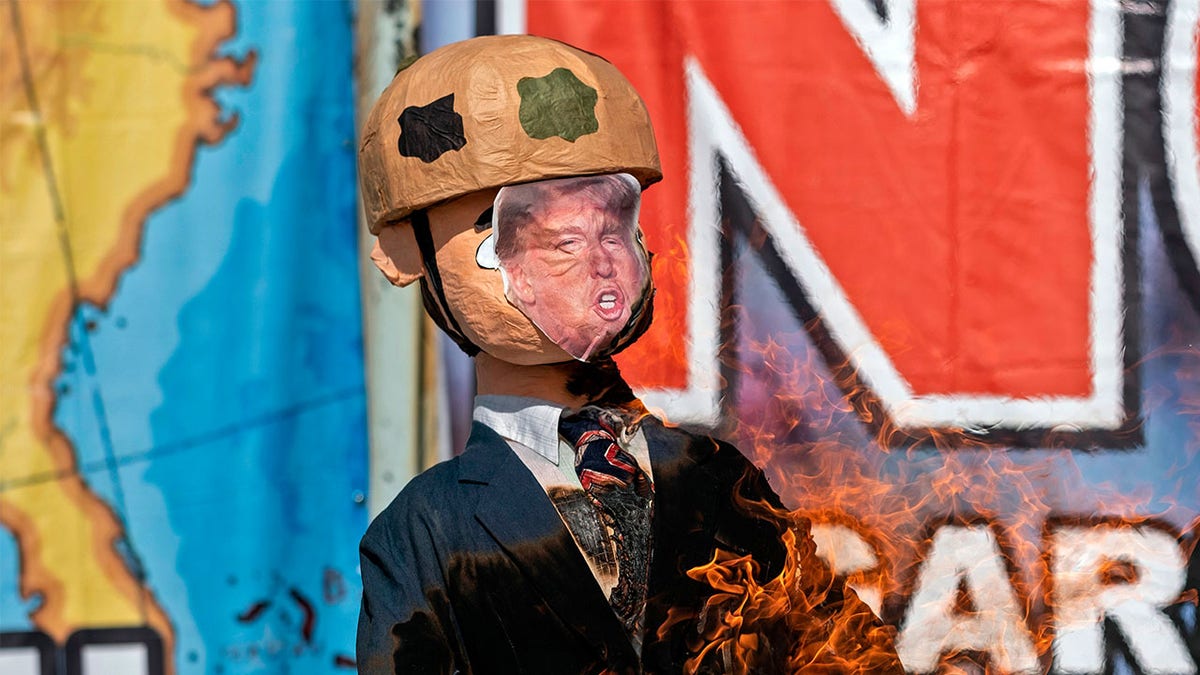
(217, 403)
(14, 611)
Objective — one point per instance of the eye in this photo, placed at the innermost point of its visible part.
(570, 245)
(485, 255)
(484, 221)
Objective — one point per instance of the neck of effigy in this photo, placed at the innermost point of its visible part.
(572, 384)
(547, 382)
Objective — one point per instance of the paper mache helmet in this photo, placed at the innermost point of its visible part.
(472, 117)
(494, 111)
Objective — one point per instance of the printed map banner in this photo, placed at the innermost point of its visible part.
(932, 263)
(182, 417)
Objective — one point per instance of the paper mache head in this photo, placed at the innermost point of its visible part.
(505, 174)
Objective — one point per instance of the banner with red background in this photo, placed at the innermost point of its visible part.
(933, 265)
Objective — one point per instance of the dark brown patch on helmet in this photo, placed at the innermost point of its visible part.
(429, 131)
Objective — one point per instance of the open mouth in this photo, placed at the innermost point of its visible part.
(609, 304)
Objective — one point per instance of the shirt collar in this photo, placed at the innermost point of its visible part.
(531, 422)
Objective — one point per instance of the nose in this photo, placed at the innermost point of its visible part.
(602, 262)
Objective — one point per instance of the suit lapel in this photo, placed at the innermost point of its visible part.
(675, 469)
(674, 523)
(516, 512)
(682, 539)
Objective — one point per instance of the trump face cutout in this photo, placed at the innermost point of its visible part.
(572, 257)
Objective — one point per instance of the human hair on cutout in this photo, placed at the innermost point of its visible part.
(517, 206)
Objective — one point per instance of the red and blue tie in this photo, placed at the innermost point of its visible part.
(623, 496)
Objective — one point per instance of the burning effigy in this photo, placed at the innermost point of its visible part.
(576, 532)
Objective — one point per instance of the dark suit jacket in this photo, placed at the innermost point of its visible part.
(471, 569)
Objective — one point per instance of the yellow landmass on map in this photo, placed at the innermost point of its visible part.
(123, 88)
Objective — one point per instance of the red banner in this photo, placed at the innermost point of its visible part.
(933, 264)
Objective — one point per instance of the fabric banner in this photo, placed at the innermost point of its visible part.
(933, 264)
(182, 409)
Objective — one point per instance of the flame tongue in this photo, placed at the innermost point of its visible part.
(798, 621)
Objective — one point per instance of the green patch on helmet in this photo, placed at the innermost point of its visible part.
(557, 105)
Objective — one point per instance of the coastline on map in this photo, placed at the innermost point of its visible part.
(202, 123)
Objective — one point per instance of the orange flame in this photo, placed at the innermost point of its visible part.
(894, 490)
(786, 625)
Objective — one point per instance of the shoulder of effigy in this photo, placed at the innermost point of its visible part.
(432, 496)
(695, 446)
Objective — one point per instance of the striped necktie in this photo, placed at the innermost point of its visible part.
(623, 496)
